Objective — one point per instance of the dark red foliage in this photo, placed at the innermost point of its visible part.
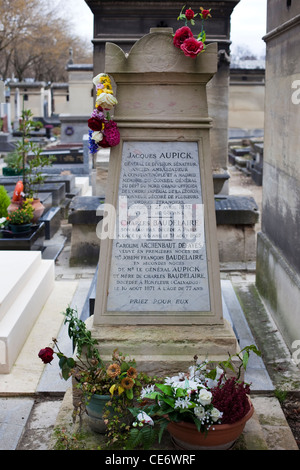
(231, 399)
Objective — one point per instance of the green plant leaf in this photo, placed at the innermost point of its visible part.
(62, 361)
(180, 392)
(129, 393)
(167, 389)
(70, 361)
(169, 400)
(245, 359)
(124, 366)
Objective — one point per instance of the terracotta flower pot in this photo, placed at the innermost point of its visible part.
(219, 437)
(14, 205)
(38, 209)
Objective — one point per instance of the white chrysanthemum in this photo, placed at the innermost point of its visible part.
(147, 390)
(182, 403)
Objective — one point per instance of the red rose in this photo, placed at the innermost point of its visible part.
(46, 355)
(181, 35)
(205, 13)
(189, 14)
(191, 47)
(95, 124)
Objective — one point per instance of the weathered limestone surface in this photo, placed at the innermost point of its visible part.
(278, 257)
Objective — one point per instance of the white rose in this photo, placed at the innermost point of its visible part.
(97, 136)
(215, 414)
(199, 411)
(106, 101)
(204, 397)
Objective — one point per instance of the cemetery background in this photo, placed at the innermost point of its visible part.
(75, 275)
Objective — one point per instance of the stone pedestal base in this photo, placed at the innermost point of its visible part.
(165, 349)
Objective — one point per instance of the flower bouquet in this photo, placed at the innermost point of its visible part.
(118, 381)
(195, 405)
(103, 131)
(184, 38)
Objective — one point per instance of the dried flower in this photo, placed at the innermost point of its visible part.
(113, 370)
(127, 383)
(132, 373)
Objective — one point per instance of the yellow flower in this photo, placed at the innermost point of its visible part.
(113, 370)
(104, 90)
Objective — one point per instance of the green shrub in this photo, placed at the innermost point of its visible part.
(4, 202)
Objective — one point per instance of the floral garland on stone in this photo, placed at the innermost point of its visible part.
(103, 131)
(184, 38)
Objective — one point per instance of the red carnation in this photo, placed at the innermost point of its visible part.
(95, 124)
(181, 35)
(189, 14)
(46, 355)
(191, 47)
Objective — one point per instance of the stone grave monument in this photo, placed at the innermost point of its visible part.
(278, 247)
(158, 295)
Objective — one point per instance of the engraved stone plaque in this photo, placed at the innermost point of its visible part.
(159, 257)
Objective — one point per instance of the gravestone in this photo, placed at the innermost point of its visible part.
(158, 295)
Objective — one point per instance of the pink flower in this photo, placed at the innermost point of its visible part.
(111, 135)
(191, 47)
(181, 35)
